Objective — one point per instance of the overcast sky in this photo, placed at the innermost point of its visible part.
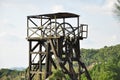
(104, 29)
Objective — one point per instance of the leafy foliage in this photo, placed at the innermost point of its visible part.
(7, 74)
(106, 62)
(117, 9)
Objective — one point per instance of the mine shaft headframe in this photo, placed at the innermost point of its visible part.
(57, 34)
(55, 25)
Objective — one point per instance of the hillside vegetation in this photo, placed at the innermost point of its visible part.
(103, 64)
(7, 74)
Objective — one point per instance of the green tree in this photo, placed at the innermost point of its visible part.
(117, 9)
(57, 74)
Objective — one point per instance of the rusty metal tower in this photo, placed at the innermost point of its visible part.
(54, 42)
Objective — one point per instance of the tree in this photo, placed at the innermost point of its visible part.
(57, 75)
(117, 9)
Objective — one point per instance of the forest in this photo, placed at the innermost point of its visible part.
(102, 64)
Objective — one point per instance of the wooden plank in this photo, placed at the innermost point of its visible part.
(37, 52)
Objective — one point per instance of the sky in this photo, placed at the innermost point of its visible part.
(103, 31)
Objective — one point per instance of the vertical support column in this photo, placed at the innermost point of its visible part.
(27, 27)
(59, 47)
(63, 26)
(78, 57)
(79, 53)
(78, 26)
(30, 58)
(55, 26)
(41, 22)
(40, 61)
(48, 62)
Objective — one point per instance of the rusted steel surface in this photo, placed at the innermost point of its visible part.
(55, 43)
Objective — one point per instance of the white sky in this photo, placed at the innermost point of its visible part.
(104, 29)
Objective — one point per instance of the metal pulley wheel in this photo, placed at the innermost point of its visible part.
(53, 29)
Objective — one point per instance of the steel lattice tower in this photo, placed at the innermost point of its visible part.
(55, 43)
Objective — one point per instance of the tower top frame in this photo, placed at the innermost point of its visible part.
(54, 25)
(55, 15)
